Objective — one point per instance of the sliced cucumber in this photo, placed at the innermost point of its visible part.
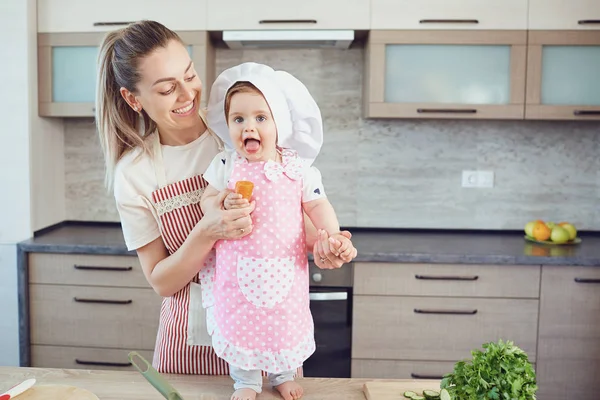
(444, 395)
(431, 394)
(410, 395)
(417, 397)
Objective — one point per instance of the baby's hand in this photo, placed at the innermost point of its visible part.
(235, 200)
(342, 247)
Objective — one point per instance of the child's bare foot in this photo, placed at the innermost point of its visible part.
(244, 394)
(290, 390)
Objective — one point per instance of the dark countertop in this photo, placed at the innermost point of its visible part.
(423, 246)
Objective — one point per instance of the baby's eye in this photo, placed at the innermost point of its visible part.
(261, 118)
(238, 120)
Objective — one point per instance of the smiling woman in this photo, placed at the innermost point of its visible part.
(157, 147)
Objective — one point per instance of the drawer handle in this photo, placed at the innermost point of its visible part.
(449, 21)
(103, 363)
(586, 112)
(588, 21)
(287, 21)
(446, 110)
(101, 301)
(587, 280)
(447, 278)
(453, 312)
(419, 376)
(101, 268)
(112, 23)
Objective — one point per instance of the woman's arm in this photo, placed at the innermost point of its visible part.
(168, 274)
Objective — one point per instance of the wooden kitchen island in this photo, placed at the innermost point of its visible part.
(127, 385)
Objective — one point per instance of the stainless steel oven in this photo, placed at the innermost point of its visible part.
(331, 307)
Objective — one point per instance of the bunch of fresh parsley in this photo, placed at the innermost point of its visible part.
(501, 372)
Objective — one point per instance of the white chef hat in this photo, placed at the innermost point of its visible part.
(296, 114)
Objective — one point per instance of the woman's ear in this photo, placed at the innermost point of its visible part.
(131, 99)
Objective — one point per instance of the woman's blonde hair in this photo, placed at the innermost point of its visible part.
(118, 61)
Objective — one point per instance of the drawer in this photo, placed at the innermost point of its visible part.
(438, 328)
(445, 14)
(123, 318)
(83, 358)
(462, 280)
(564, 15)
(105, 15)
(393, 369)
(83, 269)
(275, 14)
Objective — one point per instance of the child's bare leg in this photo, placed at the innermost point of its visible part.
(286, 386)
(247, 383)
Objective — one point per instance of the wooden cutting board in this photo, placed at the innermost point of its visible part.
(56, 392)
(394, 390)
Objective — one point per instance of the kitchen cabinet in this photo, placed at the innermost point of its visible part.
(75, 16)
(67, 68)
(274, 14)
(445, 74)
(89, 311)
(449, 14)
(569, 337)
(563, 75)
(564, 15)
(417, 320)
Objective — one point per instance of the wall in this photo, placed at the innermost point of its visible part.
(403, 173)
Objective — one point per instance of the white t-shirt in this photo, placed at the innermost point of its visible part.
(219, 172)
(135, 181)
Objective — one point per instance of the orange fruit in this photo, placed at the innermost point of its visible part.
(541, 231)
(244, 188)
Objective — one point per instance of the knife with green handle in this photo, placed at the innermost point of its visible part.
(155, 379)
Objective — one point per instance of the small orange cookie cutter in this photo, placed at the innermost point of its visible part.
(244, 188)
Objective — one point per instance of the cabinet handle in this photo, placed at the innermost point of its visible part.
(102, 268)
(447, 110)
(449, 21)
(447, 278)
(102, 301)
(419, 376)
(112, 23)
(587, 280)
(586, 112)
(103, 363)
(453, 312)
(287, 21)
(588, 21)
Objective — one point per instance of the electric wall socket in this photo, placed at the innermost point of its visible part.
(478, 179)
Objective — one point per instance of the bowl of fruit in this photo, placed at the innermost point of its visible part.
(563, 233)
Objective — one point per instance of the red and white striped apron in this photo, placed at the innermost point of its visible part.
(178, 207)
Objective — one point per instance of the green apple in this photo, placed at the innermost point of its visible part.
(570, 228)
(529, 228)
(559, 234)
(550, 224)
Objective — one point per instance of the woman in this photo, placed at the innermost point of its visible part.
(157, 146)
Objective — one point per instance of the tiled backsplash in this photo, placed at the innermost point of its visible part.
(402, 173)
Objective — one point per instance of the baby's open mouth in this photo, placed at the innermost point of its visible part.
(251, 145)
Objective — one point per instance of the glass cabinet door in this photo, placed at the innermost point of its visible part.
(74, 74)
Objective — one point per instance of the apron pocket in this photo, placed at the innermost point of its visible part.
(265, 282)
(197, 332)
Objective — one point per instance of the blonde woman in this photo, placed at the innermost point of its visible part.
(157, 146)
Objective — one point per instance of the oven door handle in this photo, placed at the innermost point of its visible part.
(328, 296)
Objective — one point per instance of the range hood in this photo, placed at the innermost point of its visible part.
(338, 39)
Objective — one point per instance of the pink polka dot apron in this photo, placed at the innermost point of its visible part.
(260, 316)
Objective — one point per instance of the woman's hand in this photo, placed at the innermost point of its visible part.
(219, 223)
(326, 251)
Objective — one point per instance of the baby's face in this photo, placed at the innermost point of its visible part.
(251, 126)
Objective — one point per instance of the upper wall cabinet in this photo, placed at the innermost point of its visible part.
(563, 75)
(67, 68)
(445, 74)
(449, 14)
(93, 16)
(277, 14)
(564, 15)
